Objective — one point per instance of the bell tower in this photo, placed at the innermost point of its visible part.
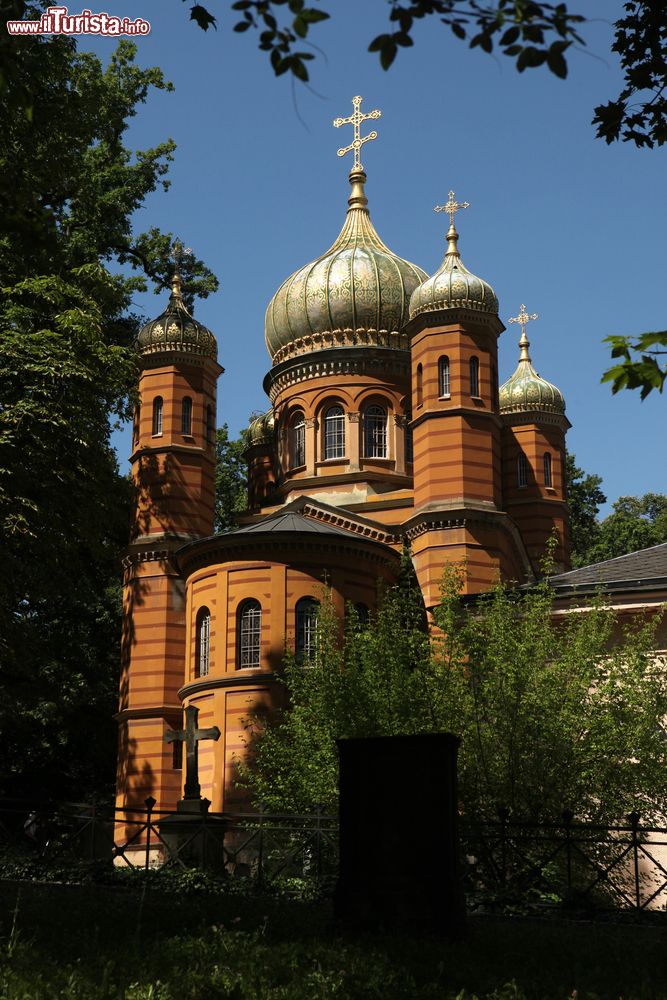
(173, 469)
(459, 516)
(533, 440)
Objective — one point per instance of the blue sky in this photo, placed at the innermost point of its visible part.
(558, 220)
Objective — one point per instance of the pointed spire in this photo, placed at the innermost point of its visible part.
(524, 319)
(178, 251)
(452, 206)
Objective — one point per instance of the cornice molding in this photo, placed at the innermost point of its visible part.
(454, 317)
(337, 362)
(239, 679)
(152, 712)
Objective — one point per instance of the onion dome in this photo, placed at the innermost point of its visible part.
(176, 330)
(261, 430)
(453, 286)
(357, 294)
(525, 391)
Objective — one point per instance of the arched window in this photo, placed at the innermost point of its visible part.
(157, 416)
(203, 643)
(420, 385)
(409, 446)
(363, 616)
(474, 376)
(186, 415)
(443, 377)
(522, 470)
(547, 469)
(210, 425)
(307, 612)
(137, 423)
(298, 441)
(334, 433)
(375, 432)
(249, 634)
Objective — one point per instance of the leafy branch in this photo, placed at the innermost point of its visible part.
(645, 373)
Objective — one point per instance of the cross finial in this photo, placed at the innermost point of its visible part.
(355, 119)
(523, 319)
(178, 251)
(451, 206)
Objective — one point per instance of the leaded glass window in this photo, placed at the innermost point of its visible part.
(420, 385)
(522, 470)
(186, 415)
(375, 432)
(547, 469)
(157, 416)
(298, 442)
(334, 432)
(474, 376)
(307, 613)
(203, 651)
(249, 634)
(443, 376)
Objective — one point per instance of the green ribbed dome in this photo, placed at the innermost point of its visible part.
(453, 286)
(176, 330)
(355, 294)
(261, 430)
(526, 391)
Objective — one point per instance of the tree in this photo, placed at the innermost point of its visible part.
(67, 373)
(552, 714)
(231, 479)
(584, 499)
(635, 523)
(640, 367)
(533, 33)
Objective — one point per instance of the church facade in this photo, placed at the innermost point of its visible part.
(387, 427)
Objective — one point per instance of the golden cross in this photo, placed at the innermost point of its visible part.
(523, 318)
(355, 119)
(178, 251)
(451, 207)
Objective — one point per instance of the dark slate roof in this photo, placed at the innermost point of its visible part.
(292, 522)
(636, 569)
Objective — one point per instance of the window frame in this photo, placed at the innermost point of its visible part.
(203, 642)
(473, 370)
(186, 416)
(547, 464)
(253, 634)
(335, 441)
(370, 431)
(158, 417)
(444, 378)
(306, 628)
(420, 385)
(297, 444)
(522, 470)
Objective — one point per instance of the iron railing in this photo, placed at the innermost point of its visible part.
(503, 862)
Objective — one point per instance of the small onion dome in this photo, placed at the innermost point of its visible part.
(261, 430)
(356, 294)
(525, 391)
(453, 286)
(176, 330)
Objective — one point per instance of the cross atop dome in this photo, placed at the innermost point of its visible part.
(451, 206)
(523, 318)
(355, 119)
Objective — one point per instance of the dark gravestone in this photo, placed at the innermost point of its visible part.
(399, 845)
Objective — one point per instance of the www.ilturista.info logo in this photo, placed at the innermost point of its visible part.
(57, 21)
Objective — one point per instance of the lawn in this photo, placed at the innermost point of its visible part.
(88, 942)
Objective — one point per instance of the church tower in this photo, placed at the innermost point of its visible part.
(173, 468)
(534, 426)
(459, 515)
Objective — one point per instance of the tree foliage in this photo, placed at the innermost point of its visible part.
(552, 714)
(67, 373)
(231, 479)
(634, 523)
(584, 499)
(639, 367)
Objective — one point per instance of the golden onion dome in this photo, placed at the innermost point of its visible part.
(261, 430)
(453, 286)
(356, 294)
(176, 330)
(526, 391)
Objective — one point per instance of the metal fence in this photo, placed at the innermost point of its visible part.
(504, 863)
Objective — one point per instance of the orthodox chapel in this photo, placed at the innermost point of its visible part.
(386, 427)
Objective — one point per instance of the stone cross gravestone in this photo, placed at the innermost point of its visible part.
(191, 736)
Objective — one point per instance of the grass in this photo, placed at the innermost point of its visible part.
(139, 942)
